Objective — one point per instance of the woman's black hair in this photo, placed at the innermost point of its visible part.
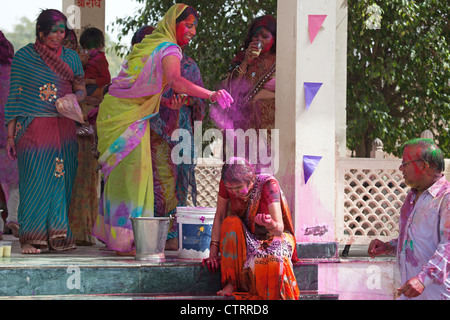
(47, 19)
(268, 22)
(237, 170)
(71, 32)
(92, 38)
(186, 13)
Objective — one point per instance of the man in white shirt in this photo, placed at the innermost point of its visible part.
(423, 245)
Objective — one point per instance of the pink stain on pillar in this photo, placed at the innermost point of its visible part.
(315, 222)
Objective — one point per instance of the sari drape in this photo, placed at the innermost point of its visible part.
(46, 143)
(258, 269)
(124, 135)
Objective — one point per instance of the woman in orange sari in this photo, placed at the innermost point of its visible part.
(253, 239)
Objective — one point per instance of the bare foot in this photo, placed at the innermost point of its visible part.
(14, 227)
(172, 244)
(227, 291)
(126, 254)
(29, 249)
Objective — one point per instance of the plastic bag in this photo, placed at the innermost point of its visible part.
(68, 106)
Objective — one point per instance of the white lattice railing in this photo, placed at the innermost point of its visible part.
(207, 175)
(370, 193)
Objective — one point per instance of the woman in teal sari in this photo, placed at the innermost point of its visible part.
(43, 141)
(123, 125)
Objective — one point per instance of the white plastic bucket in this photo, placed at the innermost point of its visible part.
(194, 232)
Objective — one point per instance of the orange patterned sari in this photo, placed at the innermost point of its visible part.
(258, 268)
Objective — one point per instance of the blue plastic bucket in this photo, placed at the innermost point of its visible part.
(194, 232)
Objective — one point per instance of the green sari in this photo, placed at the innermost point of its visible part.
(124, 135)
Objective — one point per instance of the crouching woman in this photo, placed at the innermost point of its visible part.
(253, 240)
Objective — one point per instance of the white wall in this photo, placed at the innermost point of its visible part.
(360, 279)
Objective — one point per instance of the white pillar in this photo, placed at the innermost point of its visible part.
(341, 75)
(310, 132)
(82, 13)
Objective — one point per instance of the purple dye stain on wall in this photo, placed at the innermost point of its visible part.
(316, 231)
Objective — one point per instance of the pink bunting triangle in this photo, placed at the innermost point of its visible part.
(311, 89)
(310, 164)
(315, 22)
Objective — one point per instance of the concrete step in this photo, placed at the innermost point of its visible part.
(93, 272)
(157, 297)
(74, 277)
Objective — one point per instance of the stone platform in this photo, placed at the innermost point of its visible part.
(93, 272)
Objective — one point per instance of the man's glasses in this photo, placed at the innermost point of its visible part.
(404, 164)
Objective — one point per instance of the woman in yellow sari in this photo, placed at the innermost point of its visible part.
(252, 240)
(124, 130)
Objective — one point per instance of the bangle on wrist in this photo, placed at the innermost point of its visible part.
(210, 95)
(10, 137)
(214, 243)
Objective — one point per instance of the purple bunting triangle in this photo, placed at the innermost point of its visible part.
(311, 89)
(315, 22)
(310, 164)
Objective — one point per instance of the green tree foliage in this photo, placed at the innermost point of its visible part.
(398, 74)
(23, 33)
(398, 71)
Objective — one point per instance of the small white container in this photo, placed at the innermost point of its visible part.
(5, 249)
